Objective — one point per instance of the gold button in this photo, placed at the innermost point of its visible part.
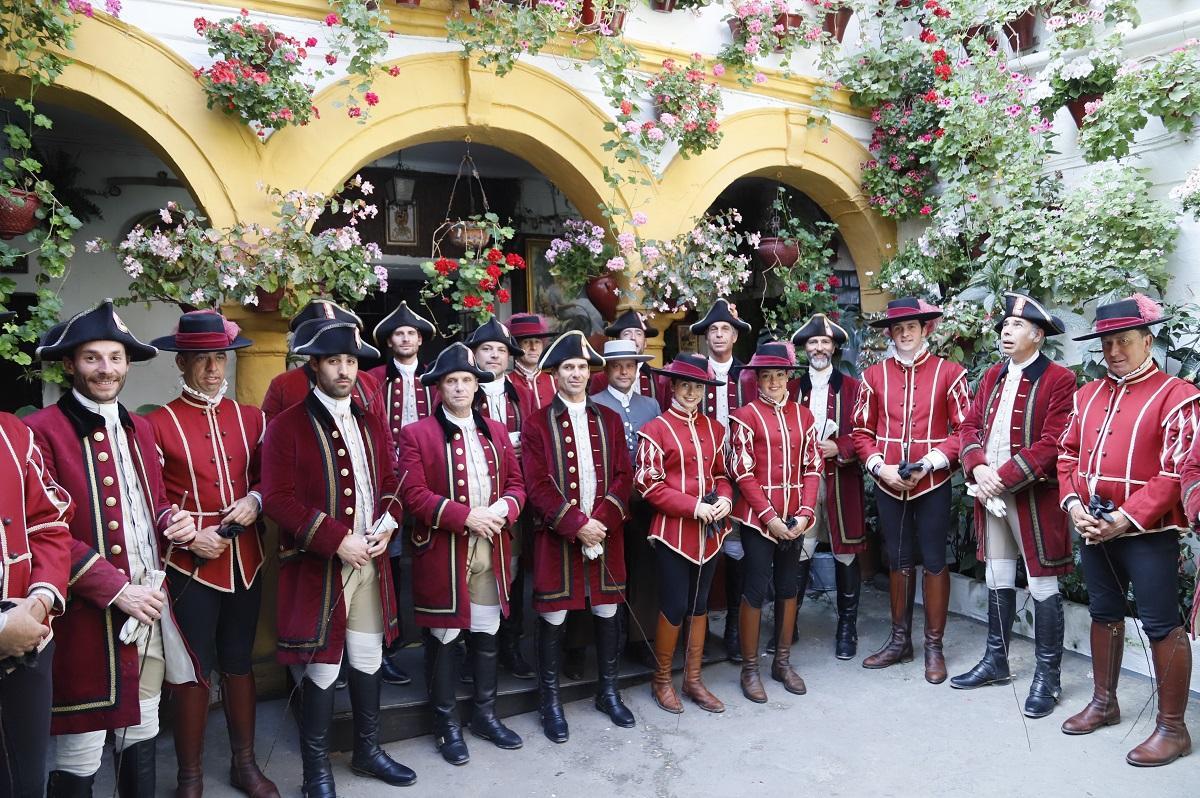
(567, 439)
(395, 431)
(573, 486)
(337, 434)
(107, 482)
(99, 436)
(458, 437)
(462, 498)
(116, 549)
(571, 469)
(566, 424)
(395, 418)
(458, 451)
(570, 455)
(113, 525)
(461, 466)
(345, 472)
(574, 501)
(349, 511)
(348, 492)
(102, 457)
(341, 452)
(461, 483)
(110, 501)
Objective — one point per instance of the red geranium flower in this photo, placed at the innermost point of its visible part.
(834, 281)
(515, 261)
(503, 295)
(940, 56)
(942, 71)
(471, 301)
(494, 271)
(494, 255)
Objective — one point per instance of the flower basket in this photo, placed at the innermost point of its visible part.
(790, 22)
(469, 235)
(589, 16)
(1078, 107)
(268, 301)
(602, 292)
(18, 215)
(835, 22)
(664, 6)
(777, 251)
(1019, 31)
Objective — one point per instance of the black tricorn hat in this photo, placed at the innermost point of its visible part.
(327, 337)
(495, 330)
(568, 346)
(1130, 313)
(907, 309)
(820, 324)
(101, 323)
(202, 331)
(630, 320)
(456, 357)
(1024, 307)
(323, 309)
(720, 311)
(402, 316)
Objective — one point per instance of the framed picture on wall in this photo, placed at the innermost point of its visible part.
(547, 297)
(401, 223)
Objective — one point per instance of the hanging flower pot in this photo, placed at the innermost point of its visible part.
(602, 292)
(1019, 31)
(18, 213)
(835, 22)
(589, 15)
(409, 3)
(268, 301)
(774, 251)
(1078, 107)
(665, 6)
(980, 30)
(469, 235)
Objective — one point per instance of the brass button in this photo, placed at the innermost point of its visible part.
(574, 501)
(99, 436)
(395, 431)
(341, 452)
(113, 525)
(337, 434)
(458, 451)
(349, 511)
(110, 501)
(566, 424)
(348, 492)
(395, 418)
(571, 469)
(107, 482)
(570, 455)
(116, 549)
(567, 439)
(345, 472)
(462, 498)
(461, 467)
(102, 457)
(461, 483)
(458, 437)
(573, 486)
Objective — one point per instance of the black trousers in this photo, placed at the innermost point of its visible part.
(921, 524)
(219, 627)
(764, 556)
(1151, 563)
(682, 585)
(25, 721)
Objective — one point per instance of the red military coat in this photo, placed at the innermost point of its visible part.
(536, 391)
(35, 517)
(212, 454)
(1039, 416)
(392, 393)
(433, 466)
(904, 412)
(563, 579)
(308, 490)
(1133, 457)
(774, 461)
(656, 386)
(95, 674)
(292, 386)
(843, 473)
(680, 460)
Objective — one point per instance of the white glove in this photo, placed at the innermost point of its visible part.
(592, 552)
(384, 525)
(993, 504)
(134, 632)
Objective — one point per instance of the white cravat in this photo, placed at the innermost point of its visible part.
(408, 379)
(140, 544)
(999, 442)
(908, 361)
(497, 401)
(721, 371)
(583, 454)
(479, 477)
(364, 502)
(199, 396)
(818, 400)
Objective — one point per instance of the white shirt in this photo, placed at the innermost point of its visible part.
(497, 402)
(140, 544)
(408, 379)
(999, 448)
(364, 493)
(721, 371)
(479, 478)
(583, 453)
(818, 400)
(623, 398)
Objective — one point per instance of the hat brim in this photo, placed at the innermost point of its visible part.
(615, 332)
(924, 316)
(167, 344)
(520, 338)
(1122, 328)
(7, 315)
(675, 375)
(737, 369)
(433, 378)
(135, 352)
(1047, 328)
(635, 358)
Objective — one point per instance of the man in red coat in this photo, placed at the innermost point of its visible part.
(631, 326)
(293, 386)
(830, 395)
(909, 408)
(117, 640)
(462, 486)
(1010, 453)
(1119, 479)
(33, 586)
(331, 487)
(579, 477)
(531, 331)
(405, 401)
(209, 447)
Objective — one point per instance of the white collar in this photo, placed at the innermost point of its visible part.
(408, 369)
(1137, 372)
(339, 408)
(466, 424)
(721, 368)
(915, 356)
(528, 374)
(574, 408)
(820, 377)
(1014, 366)
(111, 411)
(623, 397)
(493, 388)
(203, 398)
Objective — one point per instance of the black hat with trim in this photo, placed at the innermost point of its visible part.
(820, 324)
(568, 346)
(101, 323)
(202, 331)
(323, 309)
(328, 337)
(496, 331)
(456, 357)
(402, 316)
(630, 320)
(721, 310)
(1136, 311)
(1024, 307)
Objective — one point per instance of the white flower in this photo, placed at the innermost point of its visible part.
(250, 299)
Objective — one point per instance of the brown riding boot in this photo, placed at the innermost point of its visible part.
(693, 660)
(191, 716)
(781, 668)
(1173, 670)
(240, 701)
(661, 685)
(748, 623)
(1108, 646)
(937, 602)
(898, 648)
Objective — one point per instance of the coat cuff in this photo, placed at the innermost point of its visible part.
(1016, 474)
(972, 455)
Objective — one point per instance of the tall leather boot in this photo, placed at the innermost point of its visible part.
(240, 700)
(662, 685)
(136, 770)
(511, 630)
(62, 784)
(781, 667)
(484, 723)
(750, 621)
(848, 579)
(191, 716)
(441, 676)
(608, 668)
(1108, 647)
(898, 648)
(1173, 672)
(1046, 686)
(993, 668)
(316, 716)
(735, 580)
(693, 661)
(937, 602)
(368, 758)
(803, 577)
(550, 644)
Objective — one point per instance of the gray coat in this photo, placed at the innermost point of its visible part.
(641, 410)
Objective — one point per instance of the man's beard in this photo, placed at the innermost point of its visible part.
(819, 362)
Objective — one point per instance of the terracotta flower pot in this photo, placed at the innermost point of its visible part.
(602, 292)
(980, 30)
(469, 235)
(18, 215)
(772, 251)
(1019, 31)
(588, 15)
(409, 3)
(1078, 107)
(835, 22)
(665, 6)
(790, 23)
(268, 301)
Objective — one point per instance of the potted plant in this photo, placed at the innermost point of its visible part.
(1187, 194)
(472, 284)
(760, 27)
(696, 267)
(580, 259)
(1076, 81)
(1019, 30)
(687, 104)
(498, 33)
(898, 178)
(798, 258)
(359, 33)
(667, 6)
(836, 18)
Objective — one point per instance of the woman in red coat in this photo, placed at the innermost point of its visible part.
(681, 472)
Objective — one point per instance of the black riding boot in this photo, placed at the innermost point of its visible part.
(369, 759)
(484, 723)
(993, 668)
(608, 666)
(550, 641)
(1046, 687)
(849, 587)
(735, 580)
(316, 715)
(136, 775)
(441, 666)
